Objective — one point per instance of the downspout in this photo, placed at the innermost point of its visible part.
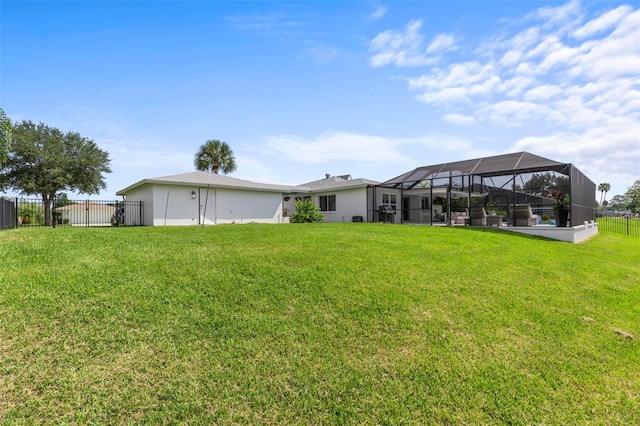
(166, 207)
(448, 219)
(215, 206)
(402, 205)
(513, 194)
(469, 191)
(204, 211)
(373, 202)
(431, 202)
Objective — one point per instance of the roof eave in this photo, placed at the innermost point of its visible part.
(198, 184)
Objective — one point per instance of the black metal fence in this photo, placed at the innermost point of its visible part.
(28, 212)
(7, 214)
(626, 225)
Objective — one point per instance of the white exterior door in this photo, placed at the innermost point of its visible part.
(207, 199)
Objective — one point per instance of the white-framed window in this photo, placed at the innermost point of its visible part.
(328, 203)
(390, 199)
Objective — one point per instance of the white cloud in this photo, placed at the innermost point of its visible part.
(510, 58)
(591, 148)
(255, 170)
(322, 53)
(444, 96)
(378, 13)
(542, 93)
(459, 119)
(343, 149)
(513, 113)
(338, 146)
(615, 55)
(525, 39)
(265, 23)
(563, 15)
(457, 84)
(563, 80)
(602, 23)
(513, 87)
(403, 49)
(441, 42)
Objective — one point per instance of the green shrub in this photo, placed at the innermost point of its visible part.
(31, 214)
(306, 212)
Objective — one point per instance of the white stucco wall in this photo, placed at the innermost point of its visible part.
(174, 205)
(289, 205)
(349, 203)
(238, 206)
(145, 194)
(570, 234)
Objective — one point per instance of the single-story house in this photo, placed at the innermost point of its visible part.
(202, 198)
(340, 198)
(439, 194)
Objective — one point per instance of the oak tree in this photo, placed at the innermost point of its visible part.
(43, 161)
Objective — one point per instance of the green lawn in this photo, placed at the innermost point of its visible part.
(317, 324)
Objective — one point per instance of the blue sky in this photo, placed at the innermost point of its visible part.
(300, 89)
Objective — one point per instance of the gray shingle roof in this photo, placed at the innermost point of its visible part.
(222, 181)
(212, 179)
(336, 182)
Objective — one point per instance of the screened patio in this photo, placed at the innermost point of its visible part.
(446, 194)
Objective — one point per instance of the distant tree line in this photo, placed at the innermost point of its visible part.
(629, 201)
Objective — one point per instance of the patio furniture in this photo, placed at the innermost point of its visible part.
(478, 216)
(459, 218)
(494, 220)
(523, 215)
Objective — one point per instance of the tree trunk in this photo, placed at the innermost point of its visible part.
(46, 201)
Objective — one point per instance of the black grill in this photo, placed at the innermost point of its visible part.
(385, 213)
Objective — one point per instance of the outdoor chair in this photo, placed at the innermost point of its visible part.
(523, 215)
(478, 216)
(459, 218)
(494, 219)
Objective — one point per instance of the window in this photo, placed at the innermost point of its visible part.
(328, 203)
(389, 199)
(424, 203)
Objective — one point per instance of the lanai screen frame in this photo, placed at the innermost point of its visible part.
(472, 175)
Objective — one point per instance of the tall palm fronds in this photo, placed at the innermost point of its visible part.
(214, 156)
(603, 188)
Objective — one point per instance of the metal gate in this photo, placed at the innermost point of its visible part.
(29, 212)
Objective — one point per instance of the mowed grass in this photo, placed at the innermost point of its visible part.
(317, 324)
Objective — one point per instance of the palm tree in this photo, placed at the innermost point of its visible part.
(214, 156)
(603, 188)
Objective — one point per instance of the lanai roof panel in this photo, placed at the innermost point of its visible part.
(487, 166)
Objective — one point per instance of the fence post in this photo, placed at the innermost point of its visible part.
(627, 225)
